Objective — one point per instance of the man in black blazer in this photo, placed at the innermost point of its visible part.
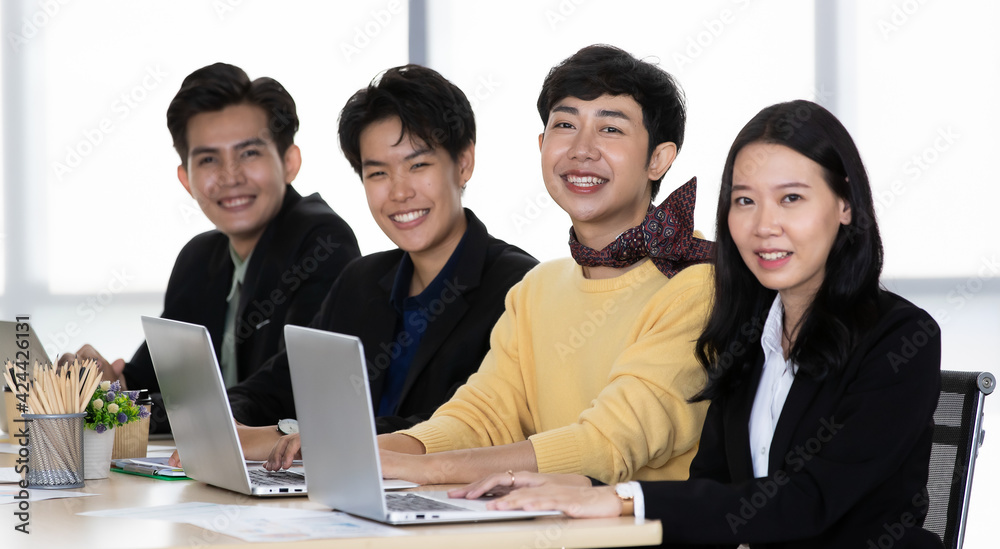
(458, 319)
(273, 254)
(424, 312)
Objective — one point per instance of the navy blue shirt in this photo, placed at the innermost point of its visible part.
(414, 314)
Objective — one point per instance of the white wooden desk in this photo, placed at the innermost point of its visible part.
(55, 523)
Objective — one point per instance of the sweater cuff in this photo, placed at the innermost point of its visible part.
(436, 434)
(557, 451)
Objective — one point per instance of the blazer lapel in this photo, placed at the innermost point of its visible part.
(468, 275)
(738, 424)
(384, 330)
(260, 272)
(800, 395)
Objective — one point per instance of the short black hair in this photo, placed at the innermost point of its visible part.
(601, 69)
(429, 107)
(221, 85)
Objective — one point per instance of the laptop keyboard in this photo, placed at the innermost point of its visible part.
(413, 502)
(261, 477)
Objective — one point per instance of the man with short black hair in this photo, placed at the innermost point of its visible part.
(424, 311)
(592, 366)
(273, 254)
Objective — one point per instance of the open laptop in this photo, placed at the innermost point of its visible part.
(194, 396)
(339, 447)
(9, 349)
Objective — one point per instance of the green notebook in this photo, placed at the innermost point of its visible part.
(149, 467)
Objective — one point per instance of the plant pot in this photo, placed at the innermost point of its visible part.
(97, 453)
(131, 439)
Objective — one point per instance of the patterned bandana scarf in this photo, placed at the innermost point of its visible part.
(666, 236)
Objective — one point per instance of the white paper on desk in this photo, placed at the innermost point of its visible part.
(258, 522)
(8, 448)
(9, 475)
(7, 493)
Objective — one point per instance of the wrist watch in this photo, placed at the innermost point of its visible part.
(624, 492)
(288, 426)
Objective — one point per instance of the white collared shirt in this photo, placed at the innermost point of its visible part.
(775, 381)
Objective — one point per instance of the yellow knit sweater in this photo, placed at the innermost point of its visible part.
(596, 373)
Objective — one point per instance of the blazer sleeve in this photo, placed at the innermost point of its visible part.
(490, 409)
(710, 461)
(138, 372)
(314, 287)
(876, 424)
(266, 396)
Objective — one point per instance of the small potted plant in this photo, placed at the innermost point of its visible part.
(110, 407)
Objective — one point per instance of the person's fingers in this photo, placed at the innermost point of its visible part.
(273, 462)
(291, 449)
(118, 366)
(175, 459)
(88, 351)
(491, 484)
(65, 358)
(283, 454)
(499, 484)
(571, 500)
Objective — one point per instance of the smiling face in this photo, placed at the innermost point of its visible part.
(414, 192)
(594, 163)
(784, 219)
(235, 173)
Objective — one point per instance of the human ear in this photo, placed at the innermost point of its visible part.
(661, 159)
(845, 212)
(182, 175)
(540, 137)
(466, 163)
(292, 162)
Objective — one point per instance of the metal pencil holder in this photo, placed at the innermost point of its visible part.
(55, 445)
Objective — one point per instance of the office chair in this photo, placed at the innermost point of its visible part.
(958, 433)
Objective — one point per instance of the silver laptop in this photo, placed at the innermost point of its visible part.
(339, 448)
(194, 396)
(10, 335)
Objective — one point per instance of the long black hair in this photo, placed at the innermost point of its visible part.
(845, 302)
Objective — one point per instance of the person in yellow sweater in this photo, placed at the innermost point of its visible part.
(591, 366)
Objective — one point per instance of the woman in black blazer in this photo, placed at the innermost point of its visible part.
(823, 385)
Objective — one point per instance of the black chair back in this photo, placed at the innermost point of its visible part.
(958, 433)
